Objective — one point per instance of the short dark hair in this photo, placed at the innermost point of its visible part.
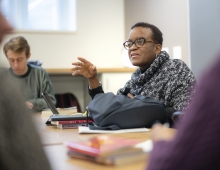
(157, 34)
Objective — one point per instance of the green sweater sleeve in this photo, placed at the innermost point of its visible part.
(42, 84)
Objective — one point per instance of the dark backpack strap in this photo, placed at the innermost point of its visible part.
(95, 127)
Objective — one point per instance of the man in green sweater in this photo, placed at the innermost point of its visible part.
(32, 80)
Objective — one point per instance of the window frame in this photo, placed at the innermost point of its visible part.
(22, 17)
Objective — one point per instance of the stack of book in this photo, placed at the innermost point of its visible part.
(70, 121)
(70, 124)
(107, 150)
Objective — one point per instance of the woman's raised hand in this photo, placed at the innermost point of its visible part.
(84, 68)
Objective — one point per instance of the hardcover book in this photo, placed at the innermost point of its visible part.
(103, 146)
(77, 116)
(119, 159)
(106, 149)
(69, 122)
(71, 126)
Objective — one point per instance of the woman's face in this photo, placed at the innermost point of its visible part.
(145, 55)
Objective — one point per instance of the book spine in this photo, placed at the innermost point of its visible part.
(70, 126)
(70, 122)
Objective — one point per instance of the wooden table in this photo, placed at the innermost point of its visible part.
(61, 71)
(53, 142)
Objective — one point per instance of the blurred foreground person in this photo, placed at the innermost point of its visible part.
(196, 144)
(20, 146)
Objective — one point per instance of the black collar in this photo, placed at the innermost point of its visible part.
(20, 76)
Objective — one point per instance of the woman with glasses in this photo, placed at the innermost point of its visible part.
(158, 76)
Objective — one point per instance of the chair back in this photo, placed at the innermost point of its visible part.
(65, 100)
(177, 116)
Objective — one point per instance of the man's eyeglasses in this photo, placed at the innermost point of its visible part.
(138, 43)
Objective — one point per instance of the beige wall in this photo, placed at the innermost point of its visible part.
(99, 37)
(170, 16)
(102, 27)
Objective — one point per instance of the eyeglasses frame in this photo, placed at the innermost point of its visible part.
(134, 42)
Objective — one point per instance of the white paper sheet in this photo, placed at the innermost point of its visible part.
(147, 145)
(84, 129)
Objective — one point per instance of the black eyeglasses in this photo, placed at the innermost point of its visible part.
(138, 43)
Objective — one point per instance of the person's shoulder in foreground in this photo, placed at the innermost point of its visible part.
(196, 144)
(20, 146)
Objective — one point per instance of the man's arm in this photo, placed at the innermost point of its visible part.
(46, 86)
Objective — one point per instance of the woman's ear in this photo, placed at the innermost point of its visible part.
(158, 48)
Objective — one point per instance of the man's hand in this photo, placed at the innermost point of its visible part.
(29, 105)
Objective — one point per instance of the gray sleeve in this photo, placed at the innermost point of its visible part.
(46, 86)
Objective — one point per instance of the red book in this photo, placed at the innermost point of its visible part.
(69, 122)
(102, 146)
